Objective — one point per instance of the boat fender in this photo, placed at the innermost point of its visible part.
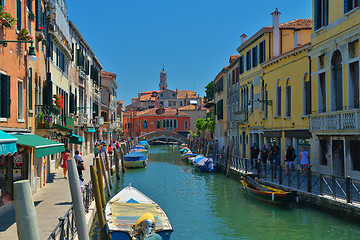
(272, 196)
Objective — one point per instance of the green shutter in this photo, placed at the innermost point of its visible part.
(18, 14)
(30, 90)
(38, 12)
(72, 103)
(6, 95)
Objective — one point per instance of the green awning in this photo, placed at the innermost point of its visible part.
(7, 144)
(43, 146)
(76, 139)
(91, 129)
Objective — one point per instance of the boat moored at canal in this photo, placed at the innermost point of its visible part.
(268, 194)
(135, 160)
(139, 149)
(130, 215)
(145, 144)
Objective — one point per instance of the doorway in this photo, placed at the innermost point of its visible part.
(338, 157)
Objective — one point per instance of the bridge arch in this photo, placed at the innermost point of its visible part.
(163, 135)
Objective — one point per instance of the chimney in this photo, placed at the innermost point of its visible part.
(276, 15)
(243, 38)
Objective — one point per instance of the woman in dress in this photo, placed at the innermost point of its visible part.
(64, 157)
(304, 159)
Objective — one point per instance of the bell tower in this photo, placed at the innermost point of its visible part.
(163, 83)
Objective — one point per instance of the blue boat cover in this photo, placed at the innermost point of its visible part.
(138, 147)
(198, 158)
(135, 156)
(143, 143)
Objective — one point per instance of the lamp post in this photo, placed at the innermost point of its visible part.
(31, 55)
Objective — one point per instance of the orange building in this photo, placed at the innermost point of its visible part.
(156, 119)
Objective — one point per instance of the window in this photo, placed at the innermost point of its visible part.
(30, 91)
(219, 109)
(354, 85)
(161, 103)
(181, 103)
(18, 15)
(219, 86)
(237, 74)
(4, 96)
(175, 123)
(248, 60)
(266, 106)
(233, 76)
(164, 123)
(174, 103)
(145, 124)
(355, 155)
(252, 98)
(186, 124)
(262, 95)
(241, 64)
(288, 99)
(262, 52)
(337, 81)
(29, 5)
(307, 94)
(350, 5)
(2, 2)
(255, 56)
(171, 123)
(169, 103)
(321, 13)
(20, 92)
(278, 99)
(322, 93)
(158, 124)
(167, 123)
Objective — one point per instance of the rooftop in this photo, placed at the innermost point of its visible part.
(167, 112)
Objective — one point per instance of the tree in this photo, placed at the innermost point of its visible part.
(209, 92)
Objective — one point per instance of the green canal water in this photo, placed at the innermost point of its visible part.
(204, 206)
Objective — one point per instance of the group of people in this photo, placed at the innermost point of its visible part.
(101, 147)
(80, 165)
(273, 154)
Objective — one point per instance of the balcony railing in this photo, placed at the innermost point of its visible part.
(49, 117)
(339, 120)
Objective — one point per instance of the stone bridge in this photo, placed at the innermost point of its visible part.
(163, 134)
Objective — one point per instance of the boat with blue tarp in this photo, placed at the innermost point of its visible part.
(204, 164)
(145, 144)
(135, 160)
(130, 215)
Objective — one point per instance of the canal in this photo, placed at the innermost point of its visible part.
(213, 207)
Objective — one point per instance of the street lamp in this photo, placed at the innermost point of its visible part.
(31, 55)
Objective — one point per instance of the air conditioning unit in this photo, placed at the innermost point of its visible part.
(99, 121)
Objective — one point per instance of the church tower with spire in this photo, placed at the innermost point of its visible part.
(163, 83)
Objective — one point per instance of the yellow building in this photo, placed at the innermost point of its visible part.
(268, 111)
(335, 124)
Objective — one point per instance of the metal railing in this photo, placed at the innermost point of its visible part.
(66, 227)
(335, 187)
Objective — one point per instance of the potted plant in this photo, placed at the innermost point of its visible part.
(59, 102)
(24, 35)
(6, 19)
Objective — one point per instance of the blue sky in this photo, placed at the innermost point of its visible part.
(193, 39)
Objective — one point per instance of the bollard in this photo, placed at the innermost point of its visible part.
(348, 189)
(100, 181)
(309, 180)
(117, 163)
(122, 159)
(98, 200)
(104, 175)
(280, 174)
(25, 214)
(77, 201)
(108, 169)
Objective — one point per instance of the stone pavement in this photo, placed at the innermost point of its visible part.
(51, 202)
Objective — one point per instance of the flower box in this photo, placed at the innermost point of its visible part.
(5, 22)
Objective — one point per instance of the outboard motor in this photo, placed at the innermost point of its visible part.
(144, 228)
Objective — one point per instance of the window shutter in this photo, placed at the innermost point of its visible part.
(5, 96)
(326, 12)
(30, 89)
(288, 99)
(72, 103)
(279, 101)
(346, 5)
(18, 14)
(29, 5)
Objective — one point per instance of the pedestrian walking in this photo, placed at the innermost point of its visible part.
(79, 164)
(110, 149)
(264, 153)
(96, 150)
(63, 161)
(289, 158)
(254, 153)
(304, 160)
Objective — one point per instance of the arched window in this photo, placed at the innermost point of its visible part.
(171, 123)
(278, 98)
(337, 81)
(265, 98)
(186, 124)
(164, 123)
(288, 98)
(175, 123)
(167, 123)
(252, 98)
(158, 124)
(145, 124)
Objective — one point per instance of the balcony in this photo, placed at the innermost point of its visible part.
(339, 121)
(241, 117)
(48, 117)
